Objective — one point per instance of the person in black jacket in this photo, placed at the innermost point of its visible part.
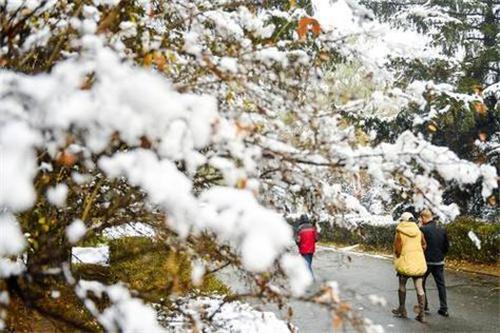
(437, 247)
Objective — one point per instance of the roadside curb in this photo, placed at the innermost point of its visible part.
(349, 250)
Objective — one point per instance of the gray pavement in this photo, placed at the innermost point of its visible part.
(474, 300)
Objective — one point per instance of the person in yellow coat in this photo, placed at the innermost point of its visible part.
(409, 261)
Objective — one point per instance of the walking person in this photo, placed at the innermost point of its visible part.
(409, 245)
(437, 247)
(306, 238)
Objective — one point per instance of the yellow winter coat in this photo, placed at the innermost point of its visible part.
(409, 247)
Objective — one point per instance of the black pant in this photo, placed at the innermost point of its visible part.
(437, 272)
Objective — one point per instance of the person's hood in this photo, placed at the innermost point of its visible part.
(407, 228)
(305, 226)
(303, 219)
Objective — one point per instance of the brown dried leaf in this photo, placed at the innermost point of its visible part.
(145, 142)
(66, 159)
(480, 108)
(160, 61)
(337, 322)
(492, 201)
(304, 24)
(86, 84)
(244, 129)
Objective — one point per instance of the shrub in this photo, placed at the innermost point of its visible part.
(155, 270)
(463, 248)
(370, 236)
(150, 268)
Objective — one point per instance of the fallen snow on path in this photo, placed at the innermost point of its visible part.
(234, 317)
(350, 250)
(90, 255)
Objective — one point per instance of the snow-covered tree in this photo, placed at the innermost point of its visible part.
(464, 30)
(449, 107)
(199, 117)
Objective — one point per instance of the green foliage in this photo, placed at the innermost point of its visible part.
(438, 70)
(463, 248)
(150, 268)
(94, 240)
(350, 82)
(93, 272)
(455, 26)
(369, 236)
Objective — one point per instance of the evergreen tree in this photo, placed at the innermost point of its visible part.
(456, 114)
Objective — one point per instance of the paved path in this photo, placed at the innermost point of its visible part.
(474, 300)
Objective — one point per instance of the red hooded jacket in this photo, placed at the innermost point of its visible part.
(306, 238)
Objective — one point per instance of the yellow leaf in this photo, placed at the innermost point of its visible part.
(242, 183)
(171, 57)
(148, 60)
(478, 89)
(293, 3)
(431, 128)
(230, 96)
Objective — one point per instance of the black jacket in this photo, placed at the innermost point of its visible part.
(437, 243)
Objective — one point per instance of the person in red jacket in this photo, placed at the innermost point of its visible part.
(306, 238)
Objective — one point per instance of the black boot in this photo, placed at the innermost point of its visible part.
(401, 311)
(421, 304)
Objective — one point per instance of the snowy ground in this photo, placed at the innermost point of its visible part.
(90, 255)
(234, 317)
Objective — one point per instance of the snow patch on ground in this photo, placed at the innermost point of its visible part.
(90, 255)
(234, 317)
(127, 314)
(100, 255)
(132, 229)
